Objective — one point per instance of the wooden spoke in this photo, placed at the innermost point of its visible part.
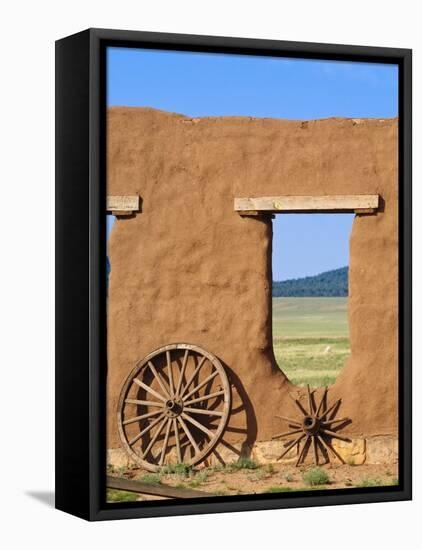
(163, 385)
(169, 367)
(291, 445)
(145, 430)
(146, 403)
(202, 384)
(137, 418)
(286, 434)
(166, 438)
(189, 435)
(197, 424)
(182, 372)
(204, 397)
(176, 437)
(168, 376)
(324, 395)
(195, 372)
(203, 411)
(149, 389)
(154, 438)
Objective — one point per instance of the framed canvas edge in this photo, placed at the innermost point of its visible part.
(95, 447)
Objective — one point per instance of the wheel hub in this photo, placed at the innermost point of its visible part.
(174, 407)
(311, 424)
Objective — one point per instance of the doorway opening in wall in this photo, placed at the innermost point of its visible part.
(310, 265)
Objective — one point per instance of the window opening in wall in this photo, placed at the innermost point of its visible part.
(310, 263)
(110, 219)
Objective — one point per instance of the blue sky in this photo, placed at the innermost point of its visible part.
(197, 84)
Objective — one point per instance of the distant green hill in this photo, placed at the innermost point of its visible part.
(329, 283)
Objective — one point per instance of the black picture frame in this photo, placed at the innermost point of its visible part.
(81, 281)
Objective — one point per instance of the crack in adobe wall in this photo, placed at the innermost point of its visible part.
(190, 269)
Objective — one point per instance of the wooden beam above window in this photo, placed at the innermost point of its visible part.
(122, 205)
(253, 206)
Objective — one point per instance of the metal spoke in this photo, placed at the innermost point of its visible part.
(286, 434)
(302, 453)
(329, 447)
(314, 444)
(148, 389)
(182, 372)
(315, 427)
(166, 438)
(145, 430)
(328, 411)
(163, 385)
(170, 373)
(297, 440)
(199, 386)
(195, 372)
(189, 435)
(203, 411)
(137, 418)
(324, 395)
(298, 404)
(334, 434)
(294, 423)
(197, 424)
(311, 405)
(336, 421)
(322, 443)
(146, 403)
(204, 397)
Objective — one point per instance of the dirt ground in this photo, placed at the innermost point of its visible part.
(255, 479)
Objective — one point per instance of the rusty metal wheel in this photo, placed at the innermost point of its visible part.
(173, 407)
(316, 426)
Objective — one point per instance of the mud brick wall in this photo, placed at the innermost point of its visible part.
(190, 269)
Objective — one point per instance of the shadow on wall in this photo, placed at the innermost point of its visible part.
(242, 424)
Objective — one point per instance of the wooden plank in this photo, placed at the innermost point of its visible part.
(122, 203)
(311, 203)
(131, 485)
(122, 212)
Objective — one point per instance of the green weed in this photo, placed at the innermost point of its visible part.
(180, 469)
(243, 464)
(369, 482)
(316, 476)
(113, 495)
(151, 478)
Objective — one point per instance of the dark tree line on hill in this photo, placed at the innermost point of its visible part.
(329, 283)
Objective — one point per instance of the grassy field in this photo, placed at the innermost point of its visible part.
(311, 338)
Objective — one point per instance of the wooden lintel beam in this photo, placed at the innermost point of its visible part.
(361, 204)
(122, 205)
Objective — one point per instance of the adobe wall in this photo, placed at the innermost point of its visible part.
(190, 269)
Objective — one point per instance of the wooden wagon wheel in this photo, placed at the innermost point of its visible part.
(173, 407)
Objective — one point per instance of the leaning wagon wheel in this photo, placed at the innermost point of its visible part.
(173, 407)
